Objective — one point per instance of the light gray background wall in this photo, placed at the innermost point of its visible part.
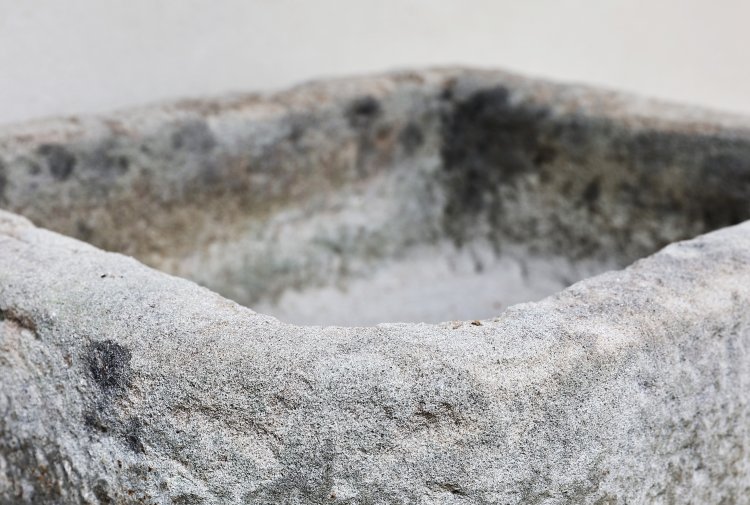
(70, 56)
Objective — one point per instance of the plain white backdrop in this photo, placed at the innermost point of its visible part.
(83, 56)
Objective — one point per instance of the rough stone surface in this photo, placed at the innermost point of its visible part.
(124, 385)
(258, 196)
(120, 384)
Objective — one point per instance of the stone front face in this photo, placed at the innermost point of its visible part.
(125, 385)
(122, 384)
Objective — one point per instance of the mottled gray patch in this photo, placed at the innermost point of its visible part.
(411, 137)
(60, 161)
(193, 136)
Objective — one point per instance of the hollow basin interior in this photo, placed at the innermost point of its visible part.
(434, 284)
(422, 200)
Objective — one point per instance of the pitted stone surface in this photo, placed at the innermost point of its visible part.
(122, 384)
(125, 385)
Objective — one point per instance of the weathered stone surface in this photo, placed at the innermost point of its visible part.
(122, 384)
(256, 196)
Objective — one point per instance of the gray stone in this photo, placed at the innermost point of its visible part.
(260, 196)
(123, 384)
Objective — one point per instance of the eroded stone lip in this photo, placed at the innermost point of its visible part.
(410, 196)
(122, 384)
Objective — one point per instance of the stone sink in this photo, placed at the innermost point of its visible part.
(379, 290)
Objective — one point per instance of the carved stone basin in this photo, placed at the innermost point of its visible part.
(426, 201)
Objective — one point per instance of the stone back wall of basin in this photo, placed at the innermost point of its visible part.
(251, 195)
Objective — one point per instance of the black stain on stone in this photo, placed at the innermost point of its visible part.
(363, 111)
(298, 127)
(487, 142)
(132, 435)
(490, 143)
(194, 136)
(95, 419)
(59, 160)
(447, 487)
(729, 171)
(447, 93)
(101, 492)
(655, 150)
(713, 188)
(496, 150)
(106, 160)
(725, 196)
(362, 115)
(187, 499)
(296, 132)
(545, 154)
(411, 138)
(120, 163)
(109, 366)
(103, 419)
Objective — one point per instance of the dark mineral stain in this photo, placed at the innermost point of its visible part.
(722, 212)
(120, 163)
(362, 114)
(298, 126)
(101, 493)
(107, 161)
(713, 188)
(187, 499)
(447, 487)
(60, 161)
(545, 154)
(94, 419)
(448, 92)
(487, 142)
(411, 138)
(488, 133)
(492, 147)
(363, 111)
(729, 171)
(194, 136)
(654, 150)
(105, 419)
(102, 416)
(109, 365)
(132, 435)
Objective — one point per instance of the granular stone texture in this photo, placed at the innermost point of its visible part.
(444, 196)
(121, 384)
